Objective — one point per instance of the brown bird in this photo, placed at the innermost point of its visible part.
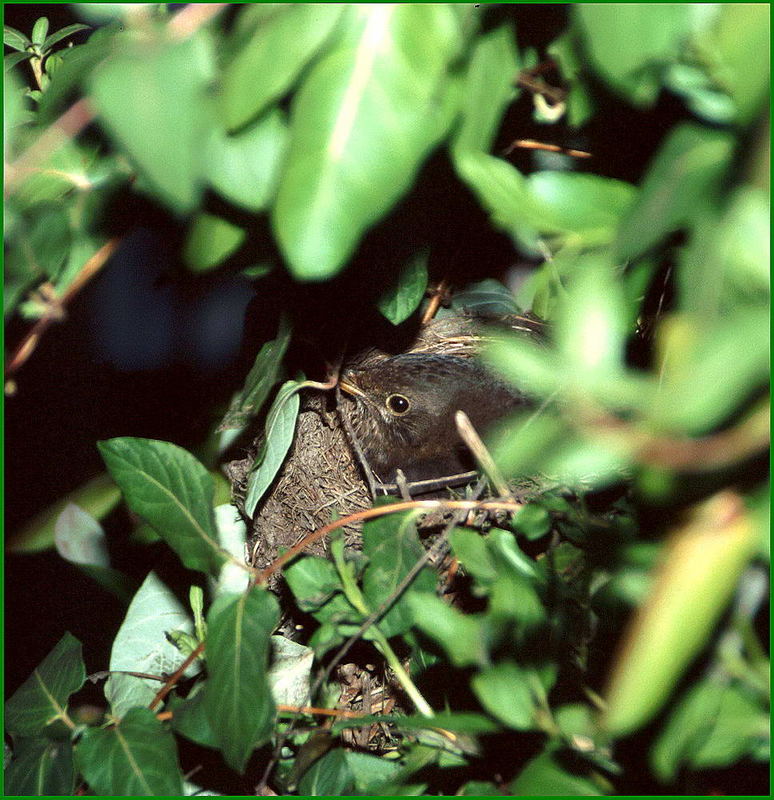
(402, 412)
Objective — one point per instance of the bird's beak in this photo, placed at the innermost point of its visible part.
(350, 388)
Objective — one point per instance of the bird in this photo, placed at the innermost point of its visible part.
(402, 412)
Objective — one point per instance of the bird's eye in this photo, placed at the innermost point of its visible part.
(398, 404)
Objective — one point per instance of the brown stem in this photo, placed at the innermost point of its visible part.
(173, 679)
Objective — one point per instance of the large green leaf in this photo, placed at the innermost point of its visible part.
(42, 698)
(488, 89)
(362, 121)
(504, 691)
(630, 43)
(141, 645)
(545, 776)
(135, 757)
(172, 491)
(238, 699)
(400, 301)
(210, 241)
(680, 181)
(151, 95)
(393, 548)
(268, 60)
(40, 767)
(244, 168)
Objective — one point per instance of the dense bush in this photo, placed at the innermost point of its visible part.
(603, 639)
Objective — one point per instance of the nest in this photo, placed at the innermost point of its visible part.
(321, 478)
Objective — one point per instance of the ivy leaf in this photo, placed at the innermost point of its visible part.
(135, 757)
(400, 301)
(238, 699)
(171, 490)
(42, 698)
(280, 427)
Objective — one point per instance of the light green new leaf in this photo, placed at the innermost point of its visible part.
(268, 60)
(211, 240)
(400, 301)
(244, 168)
(488, 89)
(362, 121)
(136, 757)
(40, 30)
(278, 436)
(679, 182)
(171, 490)
(42, 698)
(504, 691)
(141, 645)
(152, 96)
(238, 698)
(393, 548)
(63, 33)
(40, 768)
(14, 38)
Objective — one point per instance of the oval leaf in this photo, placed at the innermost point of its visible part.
(238, 698)
(172, 491)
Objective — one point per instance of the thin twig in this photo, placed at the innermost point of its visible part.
(532, 144)
(369, 513)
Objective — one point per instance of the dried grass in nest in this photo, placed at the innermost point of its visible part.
(321, 477)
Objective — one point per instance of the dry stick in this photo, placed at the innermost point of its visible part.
(87, 272)
(473, 442)
(436, 298)
(355, 445)
(532, 144)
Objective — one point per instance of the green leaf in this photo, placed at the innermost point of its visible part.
(712, 726)
(463, 636)
(504, 691)
(630, 43)
(141, 645)
(566, 51)
(488, 296)
(15, 39)
(312, 580)
(135, 757)
(696, 578)
(171, 490)
(262, 376)
(12, 59)
(479, 789)
(532, 521)
(588, 206)
(210, 241)
(63, 33)
(488, 89)
(363, 119)
(98, 497)
(727, 357)
(245, 168)
(400, 301)
(329, 776)
(190, 717)
(470, 548)
(291, 668)
(40, 767)
(545, 777)
(278, 436)
(393, 548)
(152, 96)
(40, 30)
(238, 697)
(79, 539)
(42, 698)
(268, 61)
(683, 175)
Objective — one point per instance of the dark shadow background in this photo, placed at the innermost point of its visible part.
(150, 350)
